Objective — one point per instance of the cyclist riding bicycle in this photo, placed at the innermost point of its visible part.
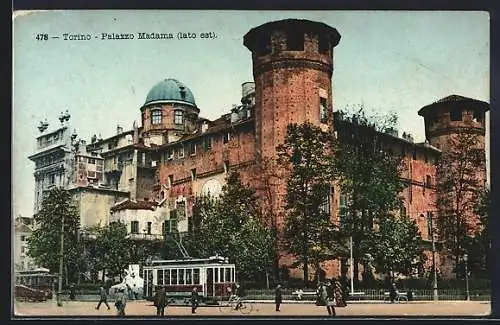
(236, 297)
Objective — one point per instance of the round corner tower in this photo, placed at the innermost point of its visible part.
(445, 120)
(292, 69)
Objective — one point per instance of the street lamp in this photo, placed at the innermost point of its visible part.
(434, 270)
(466, 258)
(61, 253)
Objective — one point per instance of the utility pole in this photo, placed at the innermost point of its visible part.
(466, 257)
(431, 235)
(61, 254)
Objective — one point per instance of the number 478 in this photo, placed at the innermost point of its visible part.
(42, 37)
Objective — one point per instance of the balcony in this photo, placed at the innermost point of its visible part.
(149, 237)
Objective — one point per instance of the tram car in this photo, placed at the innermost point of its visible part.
(34, 285)
(212, 277)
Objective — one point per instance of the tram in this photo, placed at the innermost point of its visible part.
(35, 285)
(212, 276)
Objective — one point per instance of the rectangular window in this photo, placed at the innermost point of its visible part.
(181, 152)
(196, 276)
(216, 274)
(172, 225)
(189, 278)
(323, 111)
(192, 148)
(325, 205)
(52, 179)
(428, 180)
(181, 210)
(134, 227)
(149, 227)
(456, 114)
(156, 116)
(323, 44)
(227, 277)
(414, 154)
(170, 153)
(170, 180)
(174, 277)
(226, 137)
(179, 117)
(181, 276)
(91, 161)
(160, 277)
(295, 41)
(167, 277)
(193, 174)
(207, 143)
(226, 166)
(477, 116)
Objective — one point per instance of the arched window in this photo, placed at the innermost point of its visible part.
(156, 116)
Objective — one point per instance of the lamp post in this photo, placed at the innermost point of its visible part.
(434, 271)
(61, 254)
(351, 262)
(466, 258)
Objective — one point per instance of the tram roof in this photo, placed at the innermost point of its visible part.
(217, 260)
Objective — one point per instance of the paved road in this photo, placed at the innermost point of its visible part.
(143, 308)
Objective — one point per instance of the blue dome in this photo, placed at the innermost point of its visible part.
(170, 90)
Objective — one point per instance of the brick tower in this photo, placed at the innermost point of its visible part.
(292, 69)
(445, 120)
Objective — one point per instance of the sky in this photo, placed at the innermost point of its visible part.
(388, 61)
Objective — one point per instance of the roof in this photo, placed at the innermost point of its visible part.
(170, 90)
(135, 205)
(251, 39)
(454, 99)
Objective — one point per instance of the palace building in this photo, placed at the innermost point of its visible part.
(149, 176)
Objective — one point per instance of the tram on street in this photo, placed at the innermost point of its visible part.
(212, 276)
(35, 284)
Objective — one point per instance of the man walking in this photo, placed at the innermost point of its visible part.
(194, 300)
(103, 299)
(277, 297)
(161, 302)
(330, 299)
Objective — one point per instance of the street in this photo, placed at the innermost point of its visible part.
(144, 308)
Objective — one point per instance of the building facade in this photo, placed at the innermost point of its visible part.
(149, 176)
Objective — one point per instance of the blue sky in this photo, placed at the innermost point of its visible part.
(389, 61)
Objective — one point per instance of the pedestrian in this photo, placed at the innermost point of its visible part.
(194, 300)
(330, 298)
(393, 292)
(72, 291)
(340, 296)
(277, 297)
(121, 301)
(103, 299)
(161, 302)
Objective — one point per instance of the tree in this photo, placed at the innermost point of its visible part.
(459, 183)
(45, 241)
(231, 226)
(112, 248)
(309, 233)
(396, 246)
(369, 175)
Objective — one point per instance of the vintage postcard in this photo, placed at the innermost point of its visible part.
(250, 163)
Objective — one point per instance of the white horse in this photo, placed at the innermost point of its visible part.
(133, 283)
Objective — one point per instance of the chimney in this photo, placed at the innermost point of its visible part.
(119, 129)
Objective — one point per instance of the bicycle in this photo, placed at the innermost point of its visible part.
(231, 304)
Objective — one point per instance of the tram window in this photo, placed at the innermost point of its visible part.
(181, 276)
(160, 277)
(174, 277)
(221, 274)
(189, 279)
(232, 275)
(228, 274)
(216, 273)
(167, 276)
(196, 276)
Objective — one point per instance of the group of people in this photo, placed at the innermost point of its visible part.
(161, 301)
(331, 294)
(120, 299)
